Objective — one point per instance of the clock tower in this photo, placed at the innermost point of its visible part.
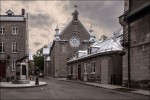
(74, 37)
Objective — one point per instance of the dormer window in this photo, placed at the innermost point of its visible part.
(89, 50)
(9, 13)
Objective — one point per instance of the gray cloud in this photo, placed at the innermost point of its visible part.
(37, 44)
(40, 20)
(103, 14)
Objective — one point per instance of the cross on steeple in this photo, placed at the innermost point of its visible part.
(75, 13)
(75, 6)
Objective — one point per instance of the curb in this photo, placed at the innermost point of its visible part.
(107, 88)
(24, 86)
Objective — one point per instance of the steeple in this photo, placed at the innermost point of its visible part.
(56, 36)
(75, 14)
(92, 37)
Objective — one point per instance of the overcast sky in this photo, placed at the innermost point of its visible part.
(45, 15)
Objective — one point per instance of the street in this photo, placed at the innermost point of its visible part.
(56, 89)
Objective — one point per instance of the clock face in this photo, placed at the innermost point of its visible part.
(74, 42)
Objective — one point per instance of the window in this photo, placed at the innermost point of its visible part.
(85, 72)
(14, 47)
(63, 48)
(13, 65)
(14, 30)
(2, 31)
(2, 47)
(93, 67)
(69, 70)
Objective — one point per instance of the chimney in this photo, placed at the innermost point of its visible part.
(22, 11)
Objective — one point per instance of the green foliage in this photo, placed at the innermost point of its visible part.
(39, 58)
(103, 37)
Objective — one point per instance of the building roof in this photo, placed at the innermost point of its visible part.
(12, 18)
(109, 45)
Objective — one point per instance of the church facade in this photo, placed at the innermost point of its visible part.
(74, 37)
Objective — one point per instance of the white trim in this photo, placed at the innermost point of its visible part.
(85, 68)
(3, 47)
(14, 47)
(2, 31)
(93, 67)
(14, 30)
(13, 65)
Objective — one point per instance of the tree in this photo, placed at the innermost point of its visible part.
(103, 37)
(39, 59)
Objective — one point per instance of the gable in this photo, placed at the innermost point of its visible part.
(75, 27)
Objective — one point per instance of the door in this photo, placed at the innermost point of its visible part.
(104, 71)
(2, 68)
(24, 72)
(79, 72)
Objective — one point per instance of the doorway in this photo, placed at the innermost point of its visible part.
(104, 71)
(2, 68)
(79, 72)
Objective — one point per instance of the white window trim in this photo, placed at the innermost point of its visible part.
(69, 70)
(15, 32)
(85, 68)
(14, 47)
(93, 67)
(13, 65)
(3, 47)
(3, 31)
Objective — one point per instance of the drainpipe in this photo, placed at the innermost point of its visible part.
(129, 80)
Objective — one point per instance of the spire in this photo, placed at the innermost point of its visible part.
(57, 29)
(56, 36)
(75, 13)
(92, 37)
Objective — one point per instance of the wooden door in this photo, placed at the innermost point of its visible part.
(2, 68)
(104, 71)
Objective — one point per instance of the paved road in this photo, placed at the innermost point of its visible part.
(57, 89)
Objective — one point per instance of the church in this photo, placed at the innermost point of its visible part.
(73, 38)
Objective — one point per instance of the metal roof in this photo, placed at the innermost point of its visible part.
(12, 18)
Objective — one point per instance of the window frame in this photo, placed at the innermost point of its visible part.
(2, 31)
(3, 47)
(13, 65)
(14, 47)
(93, 67)
(85, 68)
(14, 30)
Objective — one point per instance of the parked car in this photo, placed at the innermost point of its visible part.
(41, 75)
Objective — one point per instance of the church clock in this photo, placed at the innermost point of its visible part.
(74, 42)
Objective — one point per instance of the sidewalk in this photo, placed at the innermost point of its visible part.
(107, 86)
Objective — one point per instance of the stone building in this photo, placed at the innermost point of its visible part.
(101, 62)
(136, 42)
(74, 37)
(46, 52)
(13, 42)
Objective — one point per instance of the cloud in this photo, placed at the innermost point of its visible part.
(37, 44)
(45, 15)
(40, 20)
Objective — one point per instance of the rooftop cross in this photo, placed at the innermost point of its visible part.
(75, 6)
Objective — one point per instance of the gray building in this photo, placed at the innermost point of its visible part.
(13, 42)
(101, 62)
(74, 37)
(47, 66)
(136, 42)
